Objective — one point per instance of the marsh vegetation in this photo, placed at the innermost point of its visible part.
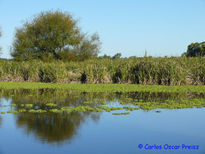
(147, 71)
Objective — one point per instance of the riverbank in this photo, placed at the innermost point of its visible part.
(102, 87)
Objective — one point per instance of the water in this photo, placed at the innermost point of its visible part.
(99, 132)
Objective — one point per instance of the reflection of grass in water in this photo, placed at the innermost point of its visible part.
(61, 101)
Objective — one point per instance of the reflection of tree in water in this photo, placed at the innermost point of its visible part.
(75, 98)
(60, 97)
(53, 128)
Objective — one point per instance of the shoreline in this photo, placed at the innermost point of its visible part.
(103, 87)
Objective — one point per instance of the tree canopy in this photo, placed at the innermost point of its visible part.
(53, 35)
(117, 56)
(0, 36)
(195, 50)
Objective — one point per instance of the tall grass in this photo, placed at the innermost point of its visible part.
(161, 71)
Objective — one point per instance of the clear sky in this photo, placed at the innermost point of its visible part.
(162, 27)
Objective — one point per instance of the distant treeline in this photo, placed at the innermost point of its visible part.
(147, 70)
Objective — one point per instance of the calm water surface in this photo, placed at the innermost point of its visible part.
(98, 132)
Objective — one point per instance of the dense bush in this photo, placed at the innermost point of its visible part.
(195, 50)
(53, 35)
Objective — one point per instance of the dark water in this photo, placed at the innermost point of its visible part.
(100, 132)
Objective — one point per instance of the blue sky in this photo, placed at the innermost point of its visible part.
(162, 27)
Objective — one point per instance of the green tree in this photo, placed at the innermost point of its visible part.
(117, 56)
(88, 48)
(105, 56)
(195, 50)
(53, 35)
(0, 47)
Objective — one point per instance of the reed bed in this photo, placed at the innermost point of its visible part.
(147, 70)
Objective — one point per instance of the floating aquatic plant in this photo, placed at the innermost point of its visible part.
(13, 105)
(22, 110)
(55, 111)
(158, 111)
(103, 87)
(28, 105)
(12, 111)
(51, 105)
(86, 108)
(130, 108)
(37, 111)
(108, 109)
(123, 113)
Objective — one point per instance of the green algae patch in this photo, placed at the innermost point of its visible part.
(130, 108)
(13, 105)
(3, 112)
(67, 109)
(164, 104)
(37, 111)
(123, 113)
(59, 101)
(28, 105)
(158, 111)
(108, 109)
(102, 87)
(76, 109)
(51, 105)
(12, 111)
(22, 110)
(86, 108)
(55, 111)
